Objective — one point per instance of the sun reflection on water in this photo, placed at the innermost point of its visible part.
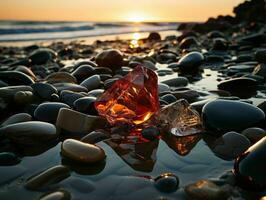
(134, 43)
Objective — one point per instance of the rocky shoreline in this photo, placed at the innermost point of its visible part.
(58, 141)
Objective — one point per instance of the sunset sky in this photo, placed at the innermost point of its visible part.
(115, 10)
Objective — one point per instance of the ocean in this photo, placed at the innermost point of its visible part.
(21, 31)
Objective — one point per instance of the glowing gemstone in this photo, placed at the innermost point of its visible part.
(132, 99)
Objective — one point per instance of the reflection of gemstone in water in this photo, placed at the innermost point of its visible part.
(132, 99)
(181, 145)
(180, 119)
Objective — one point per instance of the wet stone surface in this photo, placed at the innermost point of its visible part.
(56, 144)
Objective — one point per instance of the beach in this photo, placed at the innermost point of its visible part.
(127, 111)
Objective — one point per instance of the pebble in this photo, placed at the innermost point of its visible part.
(230, 115)
(111, 58)
(77, 122)
(167, 182)
(8, 158)
(30, 133)
(207, 190)
(190, 62)
(169, 98)
(17, 118)
(94, 137)
(153, 36)
(91, 83)
(254, 134)
(15, 78)
(83, 72)
(44, 90)
(57, 195)
(176, 82)
(48, 177)
(60, 77)
(69, 86)
(230, 145)
(69, 97)
(250, 167)
(82, 152)
(238, 84)
(41, 56)
(85, 105)
(48, 111)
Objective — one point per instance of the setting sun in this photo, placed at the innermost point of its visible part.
(137, 17)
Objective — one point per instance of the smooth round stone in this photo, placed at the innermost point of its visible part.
(24, 97)
(187, 42)
(109, 82)
(57, 195)
(60, 77)
(189, 95)
(169, 98)
(82, 152)
(254, 134)
(154, 36)
(242, 68)
(167, 182)
(8, 158)
(94, 137)
(48, 177)
(17, 118)
(220, 44)
(215, 34)
(8, 93)
(260, 56)
(32, 132)
(41, 56)
(229, 115)
(207, 190)
(15, 78)
(91, 83)
(27, 71)
(85, 62)
(85, 105)
(95, 93)
(48, 112)
(77, 122)
(69, 86)
(163, 88)
(190, 61)
(150, 133)
(176, 82)
(44, 90)
(83, 72)
(236, 84)
(70, 97)
(230, 145)
(250, 167)
(111, 58)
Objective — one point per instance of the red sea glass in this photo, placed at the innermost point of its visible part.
(132, 99)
